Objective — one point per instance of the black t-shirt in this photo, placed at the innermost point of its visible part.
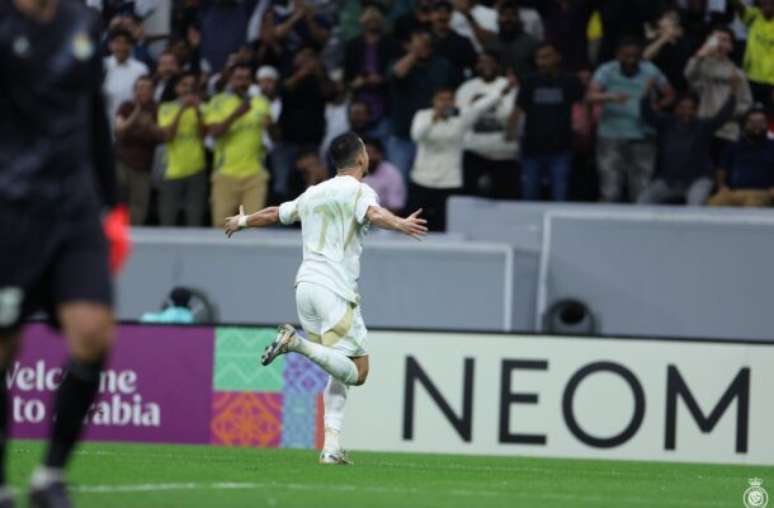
(303, 113)
(54, 131)
(547, 102)
(459, 52)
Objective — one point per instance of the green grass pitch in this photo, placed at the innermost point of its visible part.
(166, 476)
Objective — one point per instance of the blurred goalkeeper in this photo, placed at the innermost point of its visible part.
(57, 184)
(334, 219)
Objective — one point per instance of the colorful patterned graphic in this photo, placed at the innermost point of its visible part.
(278, 405)
(237, 367)
(298, 411)
(246, 419)
(303, 376)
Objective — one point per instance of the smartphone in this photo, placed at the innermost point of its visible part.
(713, 41)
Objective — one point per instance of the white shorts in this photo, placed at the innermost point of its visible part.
(331, 320)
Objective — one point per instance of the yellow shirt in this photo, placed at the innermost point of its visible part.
(185, 152)
(239, 152)
(759, 57)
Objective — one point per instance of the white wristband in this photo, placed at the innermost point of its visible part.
(242, 221)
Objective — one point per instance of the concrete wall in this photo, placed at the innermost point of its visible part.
(665, 271)
(440, 283)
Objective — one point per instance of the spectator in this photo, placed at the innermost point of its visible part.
(414, 79)
(336, 112)
(489, 161)
(184, 186)
(566, 26)
(384, 178)
(302, 122)
(711, 72)
(547, 99)
(625, 149)
(699, 17)
(136, 139)
(366, 64)
(121, 71)
(530, 18)
(758, 60)
(298, 26)
(167, 69)
(439, 133)
(133, 25)
(268, 78)
(670, 48)
(475, 21)
(359, 119)
(268, 48)
(408, 23)
(515, 47)
(747, 174)
(309, 170)
(625, 19)
(237, 122)
(223, 29)
(684, 161)
(450, 45)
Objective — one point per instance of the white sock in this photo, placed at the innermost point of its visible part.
(335, 363)
(43, 476)
(334, 400)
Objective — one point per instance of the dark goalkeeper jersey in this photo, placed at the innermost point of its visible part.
(55, 143)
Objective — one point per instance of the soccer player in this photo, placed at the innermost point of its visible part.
(334, 216)
(55, 153)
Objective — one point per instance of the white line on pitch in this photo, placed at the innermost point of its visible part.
(277, 486)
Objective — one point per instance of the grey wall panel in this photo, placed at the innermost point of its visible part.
(669, 271)
(663, 274)
(438, 283)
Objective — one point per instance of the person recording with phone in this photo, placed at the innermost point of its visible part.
(439, 133)
(714, 76)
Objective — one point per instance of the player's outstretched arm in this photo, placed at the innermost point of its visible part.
(412, 225)
(266, 217)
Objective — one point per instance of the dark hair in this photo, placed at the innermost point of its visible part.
(756, 109)
(344, 150)
(726, 30)
(629, 40)
(176, 79)
(362, 102)
(544, 45)
(444, 89)
(144, 77)
(445, 5)
(508, 5)
(374, 4)
(241, 65)
(492, 53)
(420, 30)
(374, 142)
(120, 32)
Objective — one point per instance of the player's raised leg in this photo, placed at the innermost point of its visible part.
(89, 328)
(332, 361)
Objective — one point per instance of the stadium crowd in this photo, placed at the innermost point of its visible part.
(641, 101)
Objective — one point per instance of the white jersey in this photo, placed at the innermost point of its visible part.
(334, 221)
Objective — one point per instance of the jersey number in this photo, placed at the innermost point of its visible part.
(327, 216)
